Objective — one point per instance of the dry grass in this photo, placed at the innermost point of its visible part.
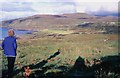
(89, 46)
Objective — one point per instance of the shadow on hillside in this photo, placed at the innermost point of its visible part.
(80, 70)
(32, 66)
(42, 63)
(109, 67)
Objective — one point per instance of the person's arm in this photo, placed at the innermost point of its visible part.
(15, 44)
(2, 45)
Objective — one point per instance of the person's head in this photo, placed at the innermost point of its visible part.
(11, 32)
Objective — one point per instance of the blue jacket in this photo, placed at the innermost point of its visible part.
(9, 46)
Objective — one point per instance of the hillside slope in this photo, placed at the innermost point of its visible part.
(38, 22)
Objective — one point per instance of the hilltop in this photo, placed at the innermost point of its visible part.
(38, 22)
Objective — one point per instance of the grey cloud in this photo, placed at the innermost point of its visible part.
(16, 6)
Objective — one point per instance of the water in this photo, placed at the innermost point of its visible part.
(4, 32)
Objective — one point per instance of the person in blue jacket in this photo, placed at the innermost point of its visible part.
(9, 46)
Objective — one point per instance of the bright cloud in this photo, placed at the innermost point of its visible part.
(97, 6)
(54, 8)
(59, 1)
(13, 15)
(11, 9)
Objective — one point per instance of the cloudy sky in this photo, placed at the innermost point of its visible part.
(11, 9)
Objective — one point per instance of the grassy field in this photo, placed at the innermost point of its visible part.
(74, 44)
(88, 46)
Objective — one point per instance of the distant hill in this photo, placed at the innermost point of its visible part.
(38, 22)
